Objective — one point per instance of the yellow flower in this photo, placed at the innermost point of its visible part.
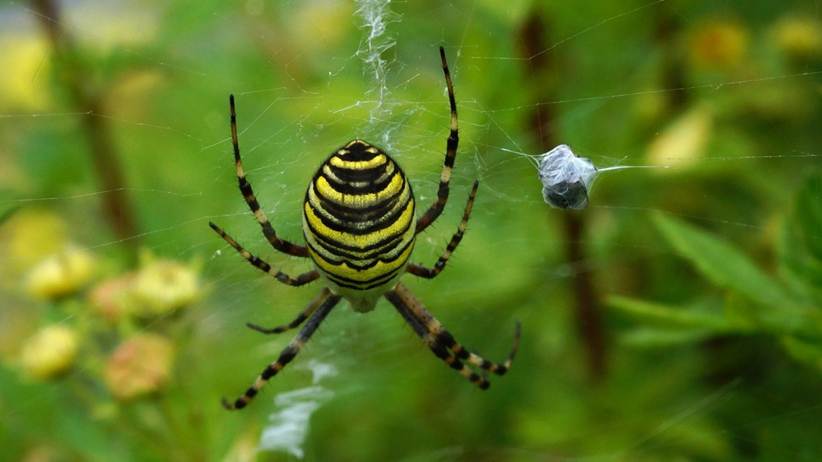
(798, 37)
(718, 44)
(61, 274)
(139, 366)
(326, 18)
(23, 82)
(164, 286)
(49, 353)
(683, 142)
(29, 236)
(108, 26)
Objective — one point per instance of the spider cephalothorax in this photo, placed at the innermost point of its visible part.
(359, 227)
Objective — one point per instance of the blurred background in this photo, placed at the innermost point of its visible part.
(676, 318)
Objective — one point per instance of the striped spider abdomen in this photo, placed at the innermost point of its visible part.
(358, 222)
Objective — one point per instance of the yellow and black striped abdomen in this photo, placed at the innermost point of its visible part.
(358, 219)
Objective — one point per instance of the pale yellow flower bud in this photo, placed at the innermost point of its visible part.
(61, 274)
(29, 236)
(799, 37)
(23, 59)
(49, 353)
(683, 142)
(139, 366)
(164, 286)
(718, 44)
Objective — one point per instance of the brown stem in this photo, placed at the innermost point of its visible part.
(673, 74)
(588, 314)
(540, 69)
(116, 207)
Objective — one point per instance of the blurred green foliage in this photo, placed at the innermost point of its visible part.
(755, 303)
(707, 273)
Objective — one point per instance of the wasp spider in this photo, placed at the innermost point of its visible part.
(359, 229)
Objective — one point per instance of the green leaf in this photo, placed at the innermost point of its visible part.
(774, 308)
(800, 243)
(706, 318)
(720, 263)
(652, 337)
(805, 352)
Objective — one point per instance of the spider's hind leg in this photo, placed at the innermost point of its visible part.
(287, 355)
(433, 342)
(312, 307)
(436, 329)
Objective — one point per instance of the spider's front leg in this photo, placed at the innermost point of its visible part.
(429, 273)
(248, 194)
(450, 154)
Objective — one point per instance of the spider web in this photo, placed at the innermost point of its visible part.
(316, 90)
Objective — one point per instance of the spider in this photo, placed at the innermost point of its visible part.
(358, 225)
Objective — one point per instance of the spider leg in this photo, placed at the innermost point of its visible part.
(435, 328)
(450, 155)
(298, 320)
(288, 354)
(262, 265)
(429, 273)
(434, 342)
(248, 194)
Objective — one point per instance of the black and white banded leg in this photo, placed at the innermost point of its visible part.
(429, 273)
(443, 336)
(264, 266)
(450, 155)
(248, 194)
(298, 320)
(288, 354)
(436, 346)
